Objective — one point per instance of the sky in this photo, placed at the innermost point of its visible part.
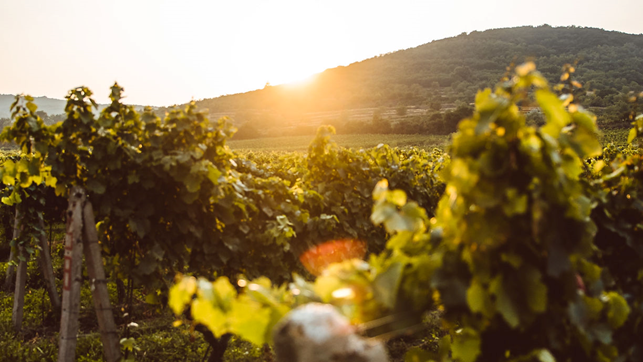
(169, 52)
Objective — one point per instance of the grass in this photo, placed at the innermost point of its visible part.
(300, 143)
(357, 141)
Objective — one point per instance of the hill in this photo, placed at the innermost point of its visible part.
(54, 108)
(439, 74)
(51, 106)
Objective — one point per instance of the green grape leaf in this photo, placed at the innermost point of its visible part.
(515, 204)
(325, 285)
(381, 190)
(204, 312)
(417, 354)
(466, 345)
(214, 174)
(396, 197)
(33, 167)
(479, 300)
(8, 179)
(617, 311)
(382, 212)
(25, 180)
(32, 107)
(386, 285)
(535, 290)
(555, 112)
(181, 294)
(8, 172)
(225, 293)
(152, 298)
(128, 343)
(631, 135)
(249, 320)
(96, 186)
(193, 182)
(594, 307)
(399, 222)
(504, 303)
(399, 240)
(586, 143)
(545, 356)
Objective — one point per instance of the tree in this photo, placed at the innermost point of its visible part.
(246, 131)
(381, 125)
(463, 73)
(452, 118)
(401, 110)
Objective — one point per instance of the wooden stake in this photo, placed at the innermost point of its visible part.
(96, 272)
(72, 276)
(19, 294)
(11, 270)
(48, 269)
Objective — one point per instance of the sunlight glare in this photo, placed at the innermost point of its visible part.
(344, 293)
(292, 77)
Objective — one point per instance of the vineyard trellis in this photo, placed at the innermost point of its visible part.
(514, 256)
(81, 238)
(507, 234)
(158, 181)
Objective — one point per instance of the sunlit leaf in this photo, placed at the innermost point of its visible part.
(618, 310)
(466, 345)
(386, 285)
(181, 293)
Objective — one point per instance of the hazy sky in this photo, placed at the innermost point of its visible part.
(167, 52)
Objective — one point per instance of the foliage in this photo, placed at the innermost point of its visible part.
(527, 237)
(522, 267)
(26, 179)
(516, 232)
(615, 185)
(157, 181)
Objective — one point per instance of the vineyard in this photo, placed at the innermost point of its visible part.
(357, 141)
(517, 242)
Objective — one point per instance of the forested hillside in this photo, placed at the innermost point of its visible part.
(439, 74)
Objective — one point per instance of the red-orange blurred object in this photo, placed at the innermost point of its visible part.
(317, 258)
(579, 283)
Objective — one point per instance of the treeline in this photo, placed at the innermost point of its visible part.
(433, 123)
(430, 123)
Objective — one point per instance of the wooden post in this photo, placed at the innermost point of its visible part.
(11, 270)
(19, 294)
(72, 276)
(48, 269)
(96, 272)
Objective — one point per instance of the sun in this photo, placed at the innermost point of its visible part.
(291, 75)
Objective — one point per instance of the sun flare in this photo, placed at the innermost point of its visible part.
(295, 76)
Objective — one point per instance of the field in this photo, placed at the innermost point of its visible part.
(357, 141)
(300, 143)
